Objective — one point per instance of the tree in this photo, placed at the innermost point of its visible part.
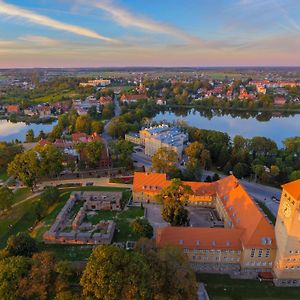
(50, 161)
(142, 227)
(20, 245)
(295, 175)
(6, 198)
(29, 136)
(7, 153)
(174, 198)
(93, 152)
(194, 150)
(274, 170)
(39, 283)
(96, 126)
(13, 269)
(26, 167)
(205, 158)
(50, 195)
(121, 151)
(113, 273)
(83, 124)
(164, 160)
(93, 113)
(171, 275)
(240, 170)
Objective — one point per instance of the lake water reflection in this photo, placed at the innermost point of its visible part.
(273, 125)
(10, 131)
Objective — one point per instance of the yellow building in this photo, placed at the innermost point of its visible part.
(287, 228)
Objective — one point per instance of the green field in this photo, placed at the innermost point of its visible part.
(22, 218)
(222, 287)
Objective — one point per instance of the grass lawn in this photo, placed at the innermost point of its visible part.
(3, 176)
(21, 194)
(221, 287)
(18, 219)
(22, 217)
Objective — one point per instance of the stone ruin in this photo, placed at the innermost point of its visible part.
(70, 229)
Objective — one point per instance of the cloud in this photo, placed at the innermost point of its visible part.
(15, 11)
(40, 40)
(127, 19)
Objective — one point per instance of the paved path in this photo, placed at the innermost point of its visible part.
(102, 181)
(202, 293)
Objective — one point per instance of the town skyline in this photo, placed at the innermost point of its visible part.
(134, 33)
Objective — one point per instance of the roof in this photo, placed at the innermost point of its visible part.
(149, 182)
(199, 238)
(240, 207)
(293, 188)
(245, 214)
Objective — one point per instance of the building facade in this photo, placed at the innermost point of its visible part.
(248, 243)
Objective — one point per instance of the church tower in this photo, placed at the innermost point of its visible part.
(287, 232)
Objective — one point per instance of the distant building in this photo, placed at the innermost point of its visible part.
(279, 100)
(133, 138)
(160, 101)
(96, 82)
(105, 100)
(13, 108)
(133, 98)
(163, 136)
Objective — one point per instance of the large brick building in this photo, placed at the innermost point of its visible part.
(247, 243)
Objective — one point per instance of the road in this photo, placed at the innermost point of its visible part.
(105, 136)
(260, 192)
(257, 191)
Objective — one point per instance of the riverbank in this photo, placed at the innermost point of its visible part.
(28, 119)
(234, 109)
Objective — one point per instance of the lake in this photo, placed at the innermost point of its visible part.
(274, 125)
(10, 131)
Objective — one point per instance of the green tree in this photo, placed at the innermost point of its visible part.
(96, 126)
(295, 175)
(93, 152)
(26, 167)
(240, 170)
(51, 160)
(113, 273)
(164, 160)
(142, 227)
(121, 152)
(174, 198)
(20, 245)
(50, 195)
(6, 198)
(83, 124)
(29, 136)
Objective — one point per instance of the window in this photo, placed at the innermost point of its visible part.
(252, 253)
(268, 253)
(260, 251)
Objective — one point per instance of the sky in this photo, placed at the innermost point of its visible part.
(120, 33)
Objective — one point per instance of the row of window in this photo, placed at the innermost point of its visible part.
(207, 258)
(292, 268)
(259, 253)
(201, 251)
(259, 264)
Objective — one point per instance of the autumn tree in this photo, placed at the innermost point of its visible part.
(50, 161)
(142, 227)
(113, 273)
(174, 198)
(13, 270)
(29, 136)
(164, 160)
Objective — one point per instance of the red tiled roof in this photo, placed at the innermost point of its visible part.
(293, 188)
(199, 238)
